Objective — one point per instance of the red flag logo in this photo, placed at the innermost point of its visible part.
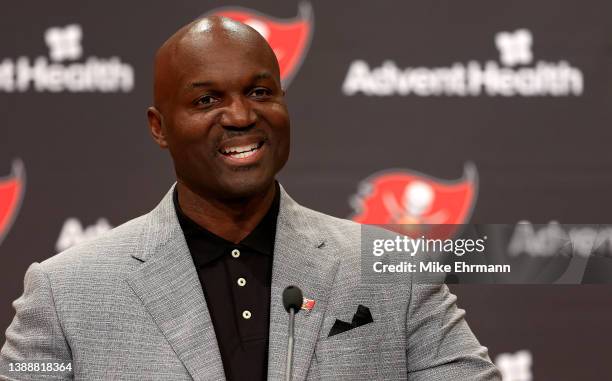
(308, 304)
(411, 199)
(289, 38)
(11, 193)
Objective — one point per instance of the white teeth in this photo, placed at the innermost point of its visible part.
(242, 155)
(240, 150)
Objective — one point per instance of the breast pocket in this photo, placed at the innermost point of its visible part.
(351, 355)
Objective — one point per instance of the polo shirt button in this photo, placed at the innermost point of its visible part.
(246, 314)
(235, 253)
(241, 282)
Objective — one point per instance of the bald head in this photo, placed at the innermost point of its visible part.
(199, 39)
(217, 91)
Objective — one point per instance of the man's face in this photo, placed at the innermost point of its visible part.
(225, 120)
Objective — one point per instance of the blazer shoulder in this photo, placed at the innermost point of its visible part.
(330, 226)
(342, 228)
(114, 246)
(341, 232)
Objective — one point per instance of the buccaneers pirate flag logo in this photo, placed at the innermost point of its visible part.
(415, 201)
(289, 38)
(11, 192)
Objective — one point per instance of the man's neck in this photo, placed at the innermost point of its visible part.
(230, 220)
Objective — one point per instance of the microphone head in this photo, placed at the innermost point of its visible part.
(292, 298)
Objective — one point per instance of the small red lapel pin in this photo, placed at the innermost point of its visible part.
(308, 304)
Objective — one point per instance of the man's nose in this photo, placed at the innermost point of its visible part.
(238, 114)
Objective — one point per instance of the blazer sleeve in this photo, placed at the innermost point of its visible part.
(35, 333)
(440, 344)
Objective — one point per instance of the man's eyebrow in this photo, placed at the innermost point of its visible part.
(195, 85)
(262, 75)
(255, 78)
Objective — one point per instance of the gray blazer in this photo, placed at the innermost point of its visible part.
(129, 306)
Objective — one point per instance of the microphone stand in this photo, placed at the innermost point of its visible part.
(289, 361)
(292, 301)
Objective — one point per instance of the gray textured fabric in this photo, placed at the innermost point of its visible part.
(129, 306)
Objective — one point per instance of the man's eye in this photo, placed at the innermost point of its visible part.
(260, 92)
(206, 100)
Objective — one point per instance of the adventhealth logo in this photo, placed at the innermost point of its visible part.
(74, 233)
(60, 73)
(518, 75)
(515, 366)
(64, 43)
(514, 47)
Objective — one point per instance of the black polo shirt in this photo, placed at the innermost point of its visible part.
(236, 280)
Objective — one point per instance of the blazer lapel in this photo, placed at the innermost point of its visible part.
(167, 284)
(300, 259)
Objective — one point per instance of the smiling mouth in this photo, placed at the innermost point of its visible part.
(242, 152)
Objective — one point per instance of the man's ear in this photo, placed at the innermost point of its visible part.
(156, 126)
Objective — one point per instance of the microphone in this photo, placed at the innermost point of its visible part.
(292, 301)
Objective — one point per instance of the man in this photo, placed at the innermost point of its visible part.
(192, 290)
